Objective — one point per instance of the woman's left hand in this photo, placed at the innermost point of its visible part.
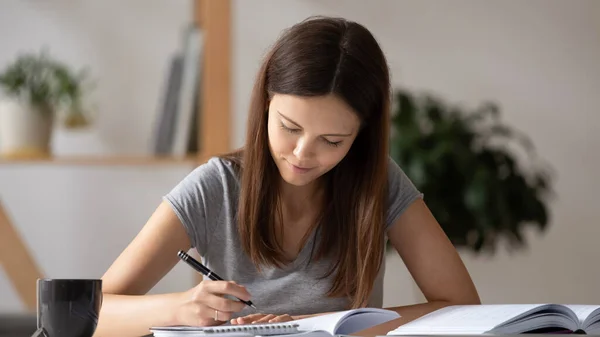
(261, 319)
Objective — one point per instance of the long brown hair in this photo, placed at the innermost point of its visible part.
(321, 56)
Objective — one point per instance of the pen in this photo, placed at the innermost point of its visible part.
(199, 267)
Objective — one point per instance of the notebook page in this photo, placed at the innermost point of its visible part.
(185, 333)
(464, 319)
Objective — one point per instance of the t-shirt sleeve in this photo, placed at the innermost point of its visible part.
(401, 193)
(196, 200)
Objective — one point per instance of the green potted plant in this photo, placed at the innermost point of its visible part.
(467, 164)
(37, 90)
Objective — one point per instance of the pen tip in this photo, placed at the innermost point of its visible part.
(252, 305)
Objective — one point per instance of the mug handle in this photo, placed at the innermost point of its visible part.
(41, 332)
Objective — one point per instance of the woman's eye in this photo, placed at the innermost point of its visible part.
(290, 130)
(294, 130)
(334, 144)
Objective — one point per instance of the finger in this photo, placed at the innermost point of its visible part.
(222, 304)
(264, 319)
(201, 312)
(221, 316)
(249, 318)
(246, 319)
(281, 318)
(226, 288)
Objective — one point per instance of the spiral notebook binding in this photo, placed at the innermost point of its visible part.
(256, 329)
(252, 329)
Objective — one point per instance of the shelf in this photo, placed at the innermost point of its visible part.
(214, 125)
(105, 160)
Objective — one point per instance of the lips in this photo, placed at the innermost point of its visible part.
(298, 168)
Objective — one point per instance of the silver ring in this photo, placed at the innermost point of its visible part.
(216, 315)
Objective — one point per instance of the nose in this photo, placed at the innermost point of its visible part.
(303, 149)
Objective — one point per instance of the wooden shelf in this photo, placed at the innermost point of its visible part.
(17, 262)
(107, 160)
(214, 18)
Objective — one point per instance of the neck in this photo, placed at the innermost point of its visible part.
(300, 201)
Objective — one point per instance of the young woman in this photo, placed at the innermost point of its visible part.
(297, 219)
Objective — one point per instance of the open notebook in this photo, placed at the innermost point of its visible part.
(505, 319)
(338, 323)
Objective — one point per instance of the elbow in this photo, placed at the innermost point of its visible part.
(470, 300)
(458, 301)
(465, 298)
(472, 296)
(467, 294)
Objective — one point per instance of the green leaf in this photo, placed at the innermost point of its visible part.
(41, 80)
(476, 191)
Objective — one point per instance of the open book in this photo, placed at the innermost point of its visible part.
(505, 319)
(346, 322)
(337, 323)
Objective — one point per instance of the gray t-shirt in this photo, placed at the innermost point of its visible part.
(206, 203)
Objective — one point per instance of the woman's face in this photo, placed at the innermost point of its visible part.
(308, 136)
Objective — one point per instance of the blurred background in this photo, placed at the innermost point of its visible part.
(77, 208)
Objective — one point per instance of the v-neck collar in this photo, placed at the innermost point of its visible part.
(306, 251)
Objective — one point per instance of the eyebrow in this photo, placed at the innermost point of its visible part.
(326, 135)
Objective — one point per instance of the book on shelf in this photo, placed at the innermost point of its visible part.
(328, 325)
(165, 123)
(505, 319)
(176, 127)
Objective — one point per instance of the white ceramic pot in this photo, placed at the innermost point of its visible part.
(25, 130)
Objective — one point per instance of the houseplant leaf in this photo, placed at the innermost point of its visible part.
(460, 160)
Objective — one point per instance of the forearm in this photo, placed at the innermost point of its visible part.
(126, 315)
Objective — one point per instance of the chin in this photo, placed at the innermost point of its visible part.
(297, 181)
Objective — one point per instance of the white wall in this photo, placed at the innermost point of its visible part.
(537, 58)
(77, 219)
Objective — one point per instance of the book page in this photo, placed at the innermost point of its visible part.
(463, 319)
(323, 322)
(348, 321)
(364, 320)
(584, 311)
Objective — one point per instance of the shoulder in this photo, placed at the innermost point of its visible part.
(215, 171)
(207, 182)
(201, 197)
(396, 175)
(401, 192)
(218, 165)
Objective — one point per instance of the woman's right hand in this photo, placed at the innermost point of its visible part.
(204, 305)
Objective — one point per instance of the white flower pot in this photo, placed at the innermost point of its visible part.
(25, 130)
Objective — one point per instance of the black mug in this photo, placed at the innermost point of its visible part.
(68, 307)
